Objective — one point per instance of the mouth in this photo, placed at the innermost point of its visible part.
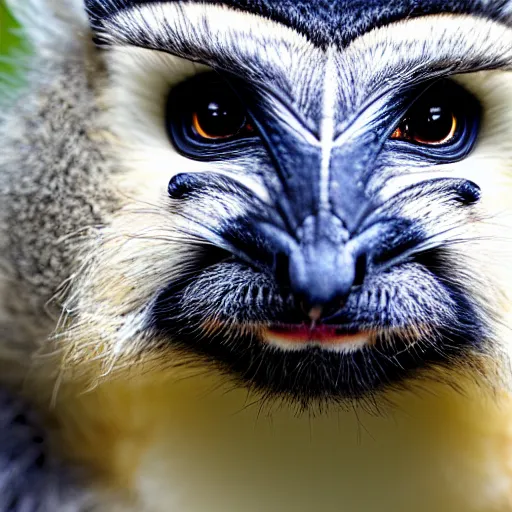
(299, 337)
(386, 333)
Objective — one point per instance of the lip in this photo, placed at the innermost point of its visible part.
(298, 337)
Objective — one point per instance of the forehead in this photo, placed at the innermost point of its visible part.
(287, 67)
(336, 22)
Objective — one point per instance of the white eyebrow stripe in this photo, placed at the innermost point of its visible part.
(410, 51)
(213, 32)
(327, 124)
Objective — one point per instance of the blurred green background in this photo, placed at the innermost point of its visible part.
(9, 41)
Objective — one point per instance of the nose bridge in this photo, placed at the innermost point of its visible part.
(320, 194)
(315, 181)
(350, 166)
(316, 174)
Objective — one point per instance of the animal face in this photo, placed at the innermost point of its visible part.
(317, 218)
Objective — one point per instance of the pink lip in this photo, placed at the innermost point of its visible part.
(305, 334)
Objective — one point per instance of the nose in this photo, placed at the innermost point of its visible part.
(322, 265)
(322, 275)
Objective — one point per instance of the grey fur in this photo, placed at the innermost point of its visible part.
(53, 169)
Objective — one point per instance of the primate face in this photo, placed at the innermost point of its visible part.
(317, 218)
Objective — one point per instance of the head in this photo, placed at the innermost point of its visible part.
(311, 199)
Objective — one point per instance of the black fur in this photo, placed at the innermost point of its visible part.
(31, 479)
(330, 21)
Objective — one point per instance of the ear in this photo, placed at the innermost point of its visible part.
(47, 23)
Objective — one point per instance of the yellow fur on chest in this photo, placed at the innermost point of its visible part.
(187, 447)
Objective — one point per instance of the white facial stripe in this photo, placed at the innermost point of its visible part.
(224, 38)
(327, 125)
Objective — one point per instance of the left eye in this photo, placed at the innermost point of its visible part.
(204, 116)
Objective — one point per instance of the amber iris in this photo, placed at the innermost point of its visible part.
(221, 117)
(428, 124)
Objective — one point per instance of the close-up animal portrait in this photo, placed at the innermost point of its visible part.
(256, 256)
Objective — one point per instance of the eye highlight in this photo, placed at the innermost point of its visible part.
(203, 114)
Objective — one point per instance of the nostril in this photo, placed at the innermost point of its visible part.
(181, 185)
(468, 193)
(361, 269)
(281, 269)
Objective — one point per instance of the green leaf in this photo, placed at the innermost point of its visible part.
(9, 41)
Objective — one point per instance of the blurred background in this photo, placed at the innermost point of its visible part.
(10, 42)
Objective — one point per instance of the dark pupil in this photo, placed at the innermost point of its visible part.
(221, 117)
(430, 124)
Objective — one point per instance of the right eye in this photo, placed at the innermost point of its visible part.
(205, 112)
(430, 124)
(443, 123)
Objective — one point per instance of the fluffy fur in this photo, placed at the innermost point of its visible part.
(89, 237)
